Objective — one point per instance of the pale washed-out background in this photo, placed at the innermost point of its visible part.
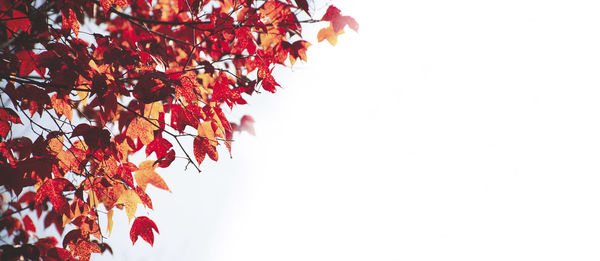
(443, 130)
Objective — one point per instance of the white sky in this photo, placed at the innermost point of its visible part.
(443, 130)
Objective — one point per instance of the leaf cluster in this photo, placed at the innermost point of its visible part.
(75, 105)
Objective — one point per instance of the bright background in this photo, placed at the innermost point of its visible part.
(443, 130)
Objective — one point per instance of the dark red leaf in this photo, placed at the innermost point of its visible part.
(166, 160)
(27, 198)
(81, 130)
(29, 252)
(53, 218)
(303, 4)
(72, 237)
(27, 59)
(22, 146)
(95, 137)
(59, 254)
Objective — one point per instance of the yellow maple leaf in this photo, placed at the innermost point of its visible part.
(92, 199)
(84, 83)
(141, 128)
(207, 80)
(146, 175)
(329, 34)
(228, 5)
(130, 200)
(205, 130)
(109, 225)
(152, 110)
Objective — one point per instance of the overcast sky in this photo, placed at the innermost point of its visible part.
(443, 130)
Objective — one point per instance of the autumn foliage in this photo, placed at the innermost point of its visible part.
(87, 83)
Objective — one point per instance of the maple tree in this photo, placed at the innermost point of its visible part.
(164, 73)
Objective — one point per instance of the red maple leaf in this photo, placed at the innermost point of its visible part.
(160, 146)
(18, 21)
(143, 226)
(246, 124)
(29, 226)
(202, 147)
(52, 189)
(7, 116)
(338, 21)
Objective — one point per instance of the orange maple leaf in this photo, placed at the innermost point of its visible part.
(62, 106)
(146, 175)
(106, 4)
(84, 249)
(329, 34)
